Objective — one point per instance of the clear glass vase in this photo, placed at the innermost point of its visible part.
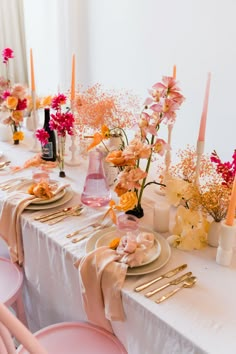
(96, 192)
(61, 141)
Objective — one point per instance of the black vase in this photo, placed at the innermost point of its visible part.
(137, 211)
(16, 142)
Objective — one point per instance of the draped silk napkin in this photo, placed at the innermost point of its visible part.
(102, 274)
(14, 204)
(101, 280)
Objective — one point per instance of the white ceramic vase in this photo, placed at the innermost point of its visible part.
(213, 234)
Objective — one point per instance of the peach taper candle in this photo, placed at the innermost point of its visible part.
(202, 129)
(32, 71)
(72, 92)
(174, 72)
(232, 206)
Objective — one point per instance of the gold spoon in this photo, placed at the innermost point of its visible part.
(188, 283)
(4, 164)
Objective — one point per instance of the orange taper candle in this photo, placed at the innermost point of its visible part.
(232, 206)
(174, 71)
(72, 92)
(32, 70)
(202, 129)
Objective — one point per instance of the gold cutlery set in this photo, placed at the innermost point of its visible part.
(187, 279)
(57, 216)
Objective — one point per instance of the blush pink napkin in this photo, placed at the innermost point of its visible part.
(10, 227)
(101, 279)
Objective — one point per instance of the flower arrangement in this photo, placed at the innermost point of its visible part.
(95, 107)
(14, 101)
(134, 157)
(63, 123)
(201, 203)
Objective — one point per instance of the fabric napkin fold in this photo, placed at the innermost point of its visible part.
(13, 205)
(101, 280)
(102, 274)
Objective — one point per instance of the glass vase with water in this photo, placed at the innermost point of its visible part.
(96, 192)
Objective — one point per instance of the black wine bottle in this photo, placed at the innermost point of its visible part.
(49, 152)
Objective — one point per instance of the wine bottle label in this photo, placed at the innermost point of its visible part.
(47, 150)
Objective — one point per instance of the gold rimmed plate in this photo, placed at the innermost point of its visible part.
(151, 255)
(156, 264)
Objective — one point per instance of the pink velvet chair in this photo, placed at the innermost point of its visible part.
(62, 338)
(11, 283)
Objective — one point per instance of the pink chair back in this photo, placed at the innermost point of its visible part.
(9, 323)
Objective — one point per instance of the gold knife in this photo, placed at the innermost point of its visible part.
(169, 274)
(173, 282)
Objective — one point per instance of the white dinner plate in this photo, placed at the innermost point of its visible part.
(151, 255)
(145, 269)
(24, 186)
(67, 196)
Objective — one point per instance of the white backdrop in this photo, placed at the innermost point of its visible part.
(132, 43)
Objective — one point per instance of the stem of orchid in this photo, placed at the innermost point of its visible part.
(147, 169)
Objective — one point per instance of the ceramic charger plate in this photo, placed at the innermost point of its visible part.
(158, 263)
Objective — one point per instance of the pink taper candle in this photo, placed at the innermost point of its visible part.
(72, 92)
(32, 70)
(202, 129)
(232, 206)
(174, 72)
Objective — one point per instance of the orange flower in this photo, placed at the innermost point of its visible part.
(119, 190)
(11, 102)
(114, 243)
(118, 159)
(17, 116)
(98, 137)
(128, 201)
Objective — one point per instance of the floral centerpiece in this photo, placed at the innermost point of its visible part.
(198, 205)
(14, 102)
(63, 123)
(134, 157)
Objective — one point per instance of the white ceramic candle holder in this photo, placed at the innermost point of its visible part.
(161, 216)
(226, 244)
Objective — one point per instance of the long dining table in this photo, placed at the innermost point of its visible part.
(201, 319)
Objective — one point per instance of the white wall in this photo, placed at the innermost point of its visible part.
(131, 44)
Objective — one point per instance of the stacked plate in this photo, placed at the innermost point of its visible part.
(59, 199)
(155, 258)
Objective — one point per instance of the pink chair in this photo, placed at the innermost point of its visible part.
(11, 280)
(62, 338)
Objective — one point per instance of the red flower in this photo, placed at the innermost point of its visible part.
(63, 123)
(7, 54)
(22, 104)
(42, 136)
(58, 101)
(227, 170)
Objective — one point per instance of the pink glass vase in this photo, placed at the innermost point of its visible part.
(96, 191)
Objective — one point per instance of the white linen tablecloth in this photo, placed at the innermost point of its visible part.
(197, 320)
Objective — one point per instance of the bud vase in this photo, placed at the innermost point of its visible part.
(61, 155)
(15, 131)
(96, 192)
(213, 234)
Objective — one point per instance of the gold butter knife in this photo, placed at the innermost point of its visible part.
(172, 282)
(169, 274)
